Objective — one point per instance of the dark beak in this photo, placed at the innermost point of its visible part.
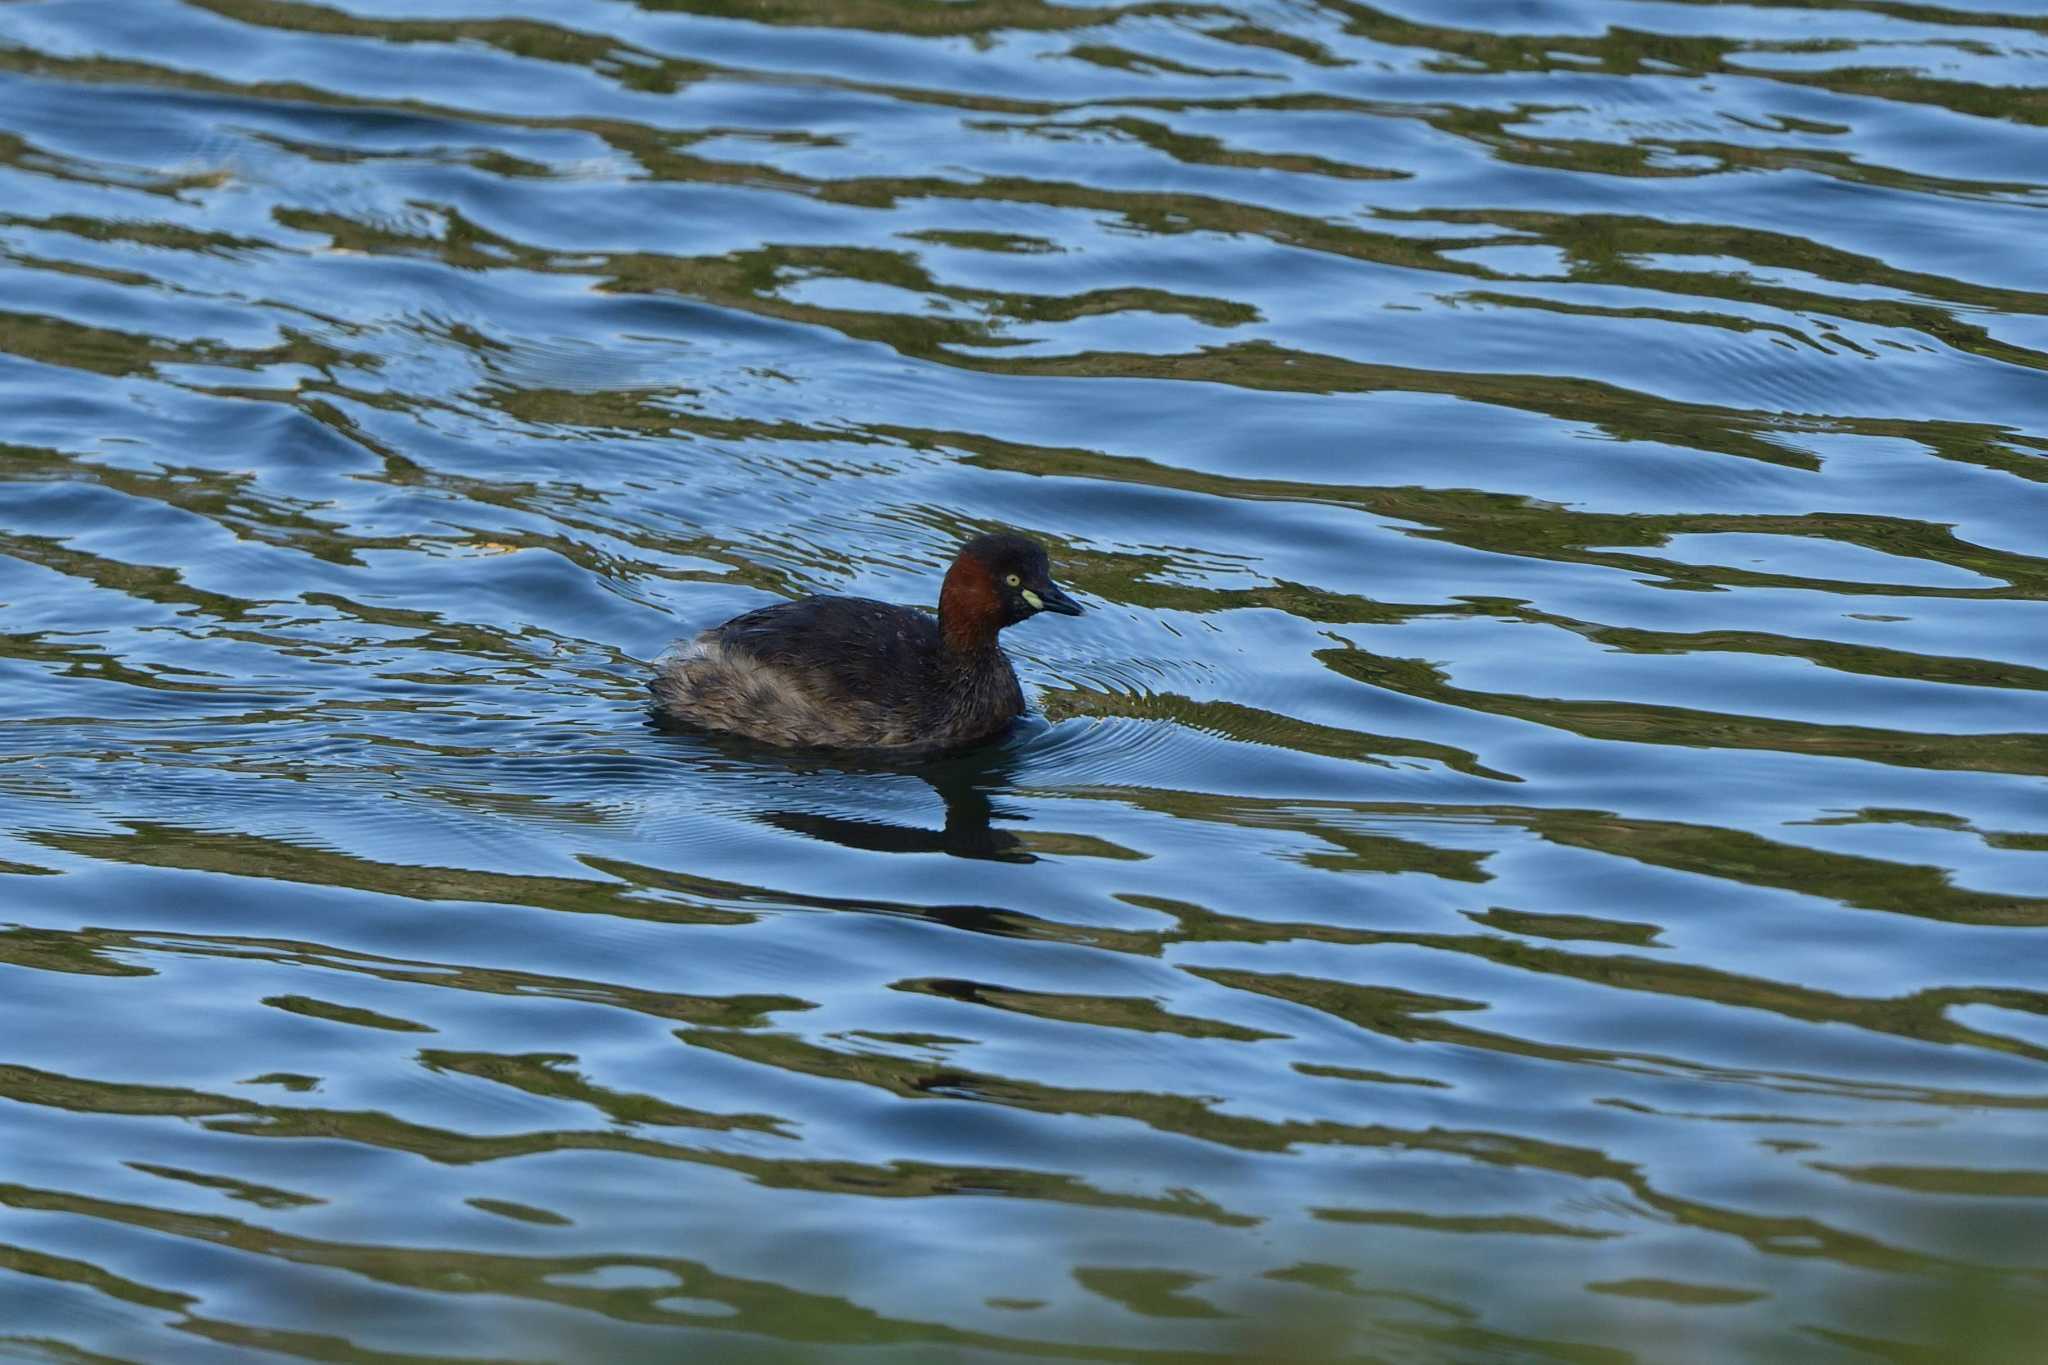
(1055, 600)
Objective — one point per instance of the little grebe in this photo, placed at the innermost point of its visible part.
(850, 673)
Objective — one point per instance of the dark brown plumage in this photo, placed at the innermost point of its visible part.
(850, 673)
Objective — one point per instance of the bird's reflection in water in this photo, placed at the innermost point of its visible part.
(964, 782)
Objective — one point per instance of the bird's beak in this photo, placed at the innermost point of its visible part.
(1048, 597)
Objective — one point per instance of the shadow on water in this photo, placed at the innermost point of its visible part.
(965, 784)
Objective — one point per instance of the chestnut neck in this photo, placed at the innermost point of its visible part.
(970, 611)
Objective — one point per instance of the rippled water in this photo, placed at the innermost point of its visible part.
(1538, 850)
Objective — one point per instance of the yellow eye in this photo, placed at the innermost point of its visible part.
(1014, 581)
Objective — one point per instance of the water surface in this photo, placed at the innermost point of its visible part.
(1537, 851)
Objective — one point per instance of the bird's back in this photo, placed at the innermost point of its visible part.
(836, 672)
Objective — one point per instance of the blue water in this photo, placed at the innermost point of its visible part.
(1537, 851)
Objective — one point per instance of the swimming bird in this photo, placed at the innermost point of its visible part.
(851, 673)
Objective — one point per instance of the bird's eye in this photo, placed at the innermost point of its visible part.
(1014, 581)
